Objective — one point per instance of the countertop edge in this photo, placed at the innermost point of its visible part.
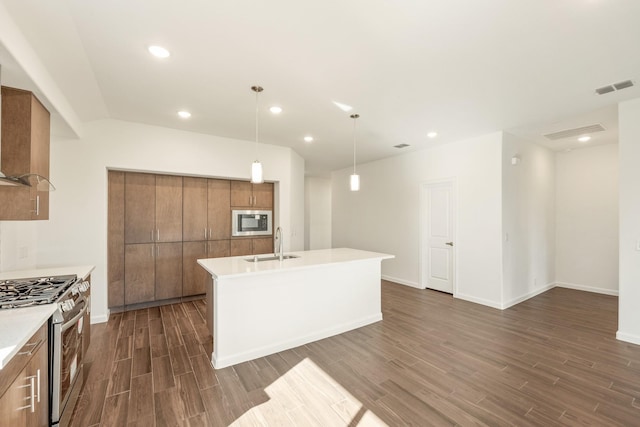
(370, 256)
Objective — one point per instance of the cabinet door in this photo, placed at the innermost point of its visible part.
(168, 208)
(168, 270)
(30, 388)
(194, 207)
(14, 402)
(139, 273)
(38, 367)
(262, 245)
(263, 195)
(139, 207)
(241, 194)
(219, 248)
(241, 247)
(194, 277)
(115, 232)
(219, 204)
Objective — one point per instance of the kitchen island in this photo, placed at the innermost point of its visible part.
(260, 307)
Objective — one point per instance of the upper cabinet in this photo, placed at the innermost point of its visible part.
(25, 150)
(247, 195)
(153, 208)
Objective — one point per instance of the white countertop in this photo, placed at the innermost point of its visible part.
(82, 271)
(17, 325)
(238, 266)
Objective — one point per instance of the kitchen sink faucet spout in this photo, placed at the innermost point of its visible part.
(279, 248)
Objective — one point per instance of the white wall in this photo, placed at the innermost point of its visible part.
(629, 249)
(76, 232)
(587, 219)
(18, 245)
(528, 220)
(317, 213)
(384, 216)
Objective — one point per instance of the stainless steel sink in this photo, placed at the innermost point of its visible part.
(270, 258)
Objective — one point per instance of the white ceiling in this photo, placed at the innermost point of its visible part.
(461, 67)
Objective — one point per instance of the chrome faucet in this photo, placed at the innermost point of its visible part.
(278, 249)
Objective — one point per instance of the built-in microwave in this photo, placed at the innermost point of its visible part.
(251, 223)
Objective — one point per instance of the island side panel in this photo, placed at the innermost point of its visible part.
(257, 315)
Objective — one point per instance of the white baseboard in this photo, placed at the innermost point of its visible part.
(101, 318)
(476, 300)
(296, 342)
(623, 336)
(587, 288)
(402, 282)
(532, 294)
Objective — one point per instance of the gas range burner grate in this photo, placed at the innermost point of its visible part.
(33, 291)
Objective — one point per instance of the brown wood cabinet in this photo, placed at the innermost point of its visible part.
(139, 273)
(160, 225)
(25, 149)
(153, 208)
(168, 270)
(194, 277)
(115, 237)
(24, 398)
(255, 196)
(254, 246)
(207, 209)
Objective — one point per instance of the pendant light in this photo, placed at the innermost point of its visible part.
(256, 166)
(355, 178)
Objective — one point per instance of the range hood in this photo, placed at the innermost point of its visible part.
(25, 180)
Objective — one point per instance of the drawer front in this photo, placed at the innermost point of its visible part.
(9, 373)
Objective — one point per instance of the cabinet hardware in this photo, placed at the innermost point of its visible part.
(33, 393)
(449, 243)
(210, 233)
(158, 235)
(37, 205)
(38, 381)
(205, 233)
(33, 347)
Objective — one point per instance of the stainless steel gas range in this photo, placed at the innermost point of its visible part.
(67, 329)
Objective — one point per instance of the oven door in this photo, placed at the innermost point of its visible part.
(67, 362)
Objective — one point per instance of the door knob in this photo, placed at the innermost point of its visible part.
(449, 243)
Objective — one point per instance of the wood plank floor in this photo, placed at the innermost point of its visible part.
(433, 360)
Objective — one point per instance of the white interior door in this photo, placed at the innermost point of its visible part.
(438, 253)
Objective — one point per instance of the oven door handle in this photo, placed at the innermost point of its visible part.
(71, 322)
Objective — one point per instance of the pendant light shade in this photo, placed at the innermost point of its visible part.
(354, 182)
(256, 166)
(256, 173)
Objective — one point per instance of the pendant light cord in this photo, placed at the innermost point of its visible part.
(257, 90)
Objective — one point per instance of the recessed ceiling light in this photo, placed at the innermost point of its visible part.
(343, 107)
(585, 138)
(159, 51)
(184, 114)
(432, 134)
(275, 109)
(308, 138)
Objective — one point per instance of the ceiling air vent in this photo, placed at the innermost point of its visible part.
(569, 133)
(616, 86)
(401, 145)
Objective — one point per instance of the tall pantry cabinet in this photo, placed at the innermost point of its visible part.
(160, 225)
